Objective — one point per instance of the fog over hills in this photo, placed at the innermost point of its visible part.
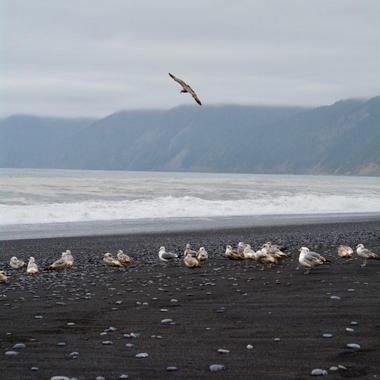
(343, 138)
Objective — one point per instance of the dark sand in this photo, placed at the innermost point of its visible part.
(224, 304)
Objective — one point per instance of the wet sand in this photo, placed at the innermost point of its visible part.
(227, 305)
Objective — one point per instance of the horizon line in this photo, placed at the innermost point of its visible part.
(208, 105)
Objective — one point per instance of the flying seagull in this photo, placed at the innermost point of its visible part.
(186, 88)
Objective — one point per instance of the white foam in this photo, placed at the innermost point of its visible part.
(187, 206)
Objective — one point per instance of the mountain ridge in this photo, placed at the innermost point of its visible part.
(342, 138)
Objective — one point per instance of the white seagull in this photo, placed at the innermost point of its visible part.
(69, 259)
(309, 259)
(15, 263)
(166, 256)
(202, 254)
(240, 247)
(249, 253)
(32, 267)
(366, 254)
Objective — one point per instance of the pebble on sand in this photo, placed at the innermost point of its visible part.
(249, 347)
(216, 367)
(171, 369)
(73, 355)
(11, 353)
(318, 372)
(223, 351)
(131, 335)
(327, 335)
(19, 346)
(142, 355)
(166, 321)
(353, 346)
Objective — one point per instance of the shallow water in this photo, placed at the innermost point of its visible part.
(35, 197)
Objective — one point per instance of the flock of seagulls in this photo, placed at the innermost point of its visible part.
(121, 260)
(268, 255)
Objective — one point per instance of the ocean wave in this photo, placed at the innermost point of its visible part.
(183, 207)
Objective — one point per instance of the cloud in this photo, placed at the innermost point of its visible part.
(92, 57)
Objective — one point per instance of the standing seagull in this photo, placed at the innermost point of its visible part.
(32, 267)
(309, 259)
(366, 254)
(186, 88)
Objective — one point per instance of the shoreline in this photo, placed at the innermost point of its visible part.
(157, 226)
(227, 305)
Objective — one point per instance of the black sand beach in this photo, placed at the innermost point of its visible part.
(282, 313)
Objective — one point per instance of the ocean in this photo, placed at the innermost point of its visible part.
(45, 203)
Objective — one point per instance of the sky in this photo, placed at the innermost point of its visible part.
(94, 57)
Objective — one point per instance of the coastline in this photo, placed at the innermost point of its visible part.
(147, 226)
(224, 304)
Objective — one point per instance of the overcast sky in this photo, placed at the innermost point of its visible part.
(94, 57)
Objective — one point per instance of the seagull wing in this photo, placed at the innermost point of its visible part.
(168, 255)
(181, 82)
(60, 263)
(369, 254)
(314, 257)
(195, 96)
